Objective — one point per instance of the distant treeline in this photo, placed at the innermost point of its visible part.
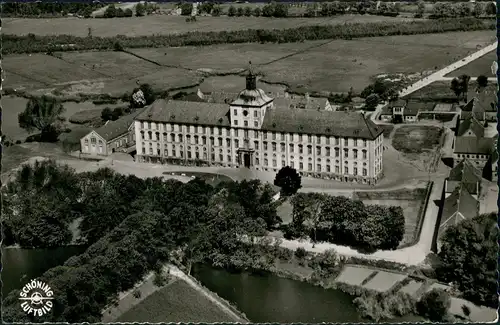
(34, 9)
(34, 43)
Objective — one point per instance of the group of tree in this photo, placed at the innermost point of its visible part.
(460, 86)
(469, 259)
(344, 221)
(109, 114)
(134, 225)
(378, 91)
(12, 44)
(141, 9)
(43, 114)
(463, 9)
(41, 8)
(273, 9)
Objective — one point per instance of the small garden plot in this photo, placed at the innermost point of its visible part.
(416, 138)
(353, 275)
(384, 281)
(411, 288)
(178, 302)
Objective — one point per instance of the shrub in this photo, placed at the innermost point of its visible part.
(136, 293)
(159, 279)
(300, 253)
(434, 305)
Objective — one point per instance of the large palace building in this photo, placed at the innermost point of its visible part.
(253, 132)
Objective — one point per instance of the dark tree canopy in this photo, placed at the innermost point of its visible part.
(289, 180)
(434, 305)
(43, 114)
(469, 259)
(482, 81)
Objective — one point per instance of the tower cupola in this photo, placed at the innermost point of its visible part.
(251, 78)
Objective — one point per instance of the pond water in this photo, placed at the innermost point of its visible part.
(269, 298)
(263, 298)
(22, 265)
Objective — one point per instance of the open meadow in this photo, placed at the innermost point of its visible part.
(439, 91)
(167, 24)
(178, 302)
(481, 66)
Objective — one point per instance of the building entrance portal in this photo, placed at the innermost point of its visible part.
(246, 160)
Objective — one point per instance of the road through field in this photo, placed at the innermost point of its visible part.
(438, 76)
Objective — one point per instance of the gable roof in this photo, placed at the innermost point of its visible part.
(331, 123)
(459, 206)
(413, 107)
(470, 123)
(398, 103)
(466, 172)
(114, 129)
(183, 112)
(300, 103)
(474, 145)
(482, 100)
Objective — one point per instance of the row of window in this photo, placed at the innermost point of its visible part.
(254, 134)
(472, 156)
(245, 123)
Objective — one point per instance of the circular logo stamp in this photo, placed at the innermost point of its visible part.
(36, 297)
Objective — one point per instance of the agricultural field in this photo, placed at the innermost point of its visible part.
(178, 302)
(332, 66)
(481, 66)
(411, 201)
(166, 24)
(416, 139)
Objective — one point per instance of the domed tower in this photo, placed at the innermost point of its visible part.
(249, 108)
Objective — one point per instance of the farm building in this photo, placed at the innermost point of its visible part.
(458, 206)
(253, 131)
(466, 174)
(114, 136)
(474, 141)
(405, 111)
(481, 104)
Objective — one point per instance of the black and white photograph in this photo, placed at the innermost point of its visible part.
(249, 162)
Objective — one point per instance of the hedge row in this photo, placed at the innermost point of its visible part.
(32, 43)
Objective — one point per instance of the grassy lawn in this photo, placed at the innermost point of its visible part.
(416, 138)
(353, 275)
(481, 66)
(285, 212)
(178, 302)
(167, 24)
(412, 287)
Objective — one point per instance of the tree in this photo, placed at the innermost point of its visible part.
(142, 96)
(460, 85)
(478, 9)
(216, 11)
(107, 114)
(140, 10)
(268, 10)
(120, 13)
(280, 10)
(482, 81)
(248, 11)
(469, 259)
(371, 102)
(466, 311)
(231, 12)
(186, 9)
(110, 12)
(129, 12)
(239, 11)
(463, 9)
(491, 9)
(434, 305)
(420, 9)
(43, 114)
(289, 180)
(257, 12)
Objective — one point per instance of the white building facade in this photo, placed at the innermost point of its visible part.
(251, 132)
